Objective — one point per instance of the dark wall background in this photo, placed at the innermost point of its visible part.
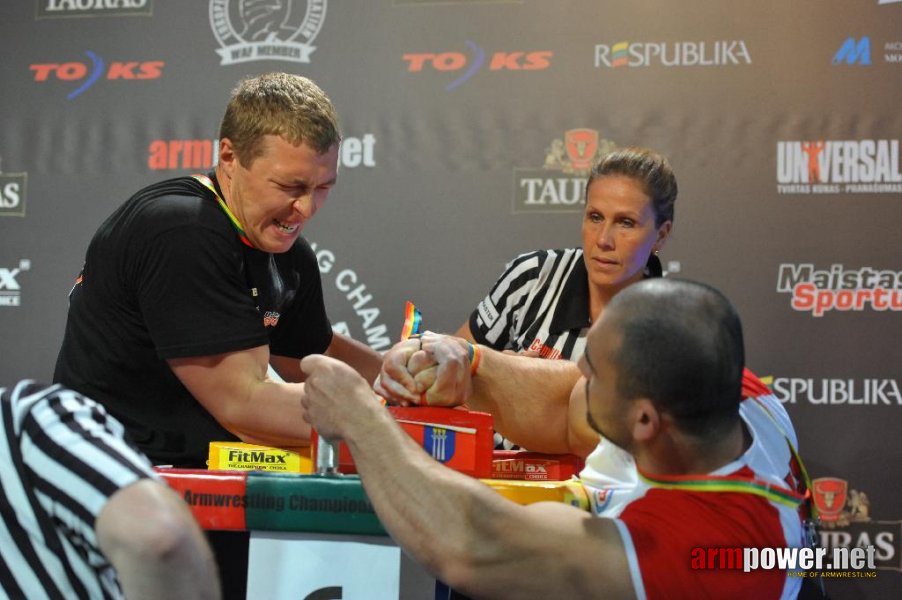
(454, 106)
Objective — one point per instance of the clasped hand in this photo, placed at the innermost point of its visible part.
(430, 369)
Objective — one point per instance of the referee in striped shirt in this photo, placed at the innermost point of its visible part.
(82, 514)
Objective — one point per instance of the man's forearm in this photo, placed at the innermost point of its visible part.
(529, 398)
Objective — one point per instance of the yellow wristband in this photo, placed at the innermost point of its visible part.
(474, 355)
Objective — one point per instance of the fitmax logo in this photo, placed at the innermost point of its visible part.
(457, 61)
(91, 72)
(10, 291)
(853, 52)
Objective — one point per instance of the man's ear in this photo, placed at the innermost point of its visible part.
(227, 158)
(646, 420)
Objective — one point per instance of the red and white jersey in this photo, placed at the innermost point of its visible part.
(661, 526)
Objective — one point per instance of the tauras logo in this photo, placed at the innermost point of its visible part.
(12, 194)
(847, 522)
(168, 155)
(672, 54)
(834, 166)
(248, 30)
(10, 290)
(560, 185)
(347, 284)
(840, 289)
(81, 8)
(835, 391)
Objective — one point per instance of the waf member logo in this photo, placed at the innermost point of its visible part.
(439, 443)
(560, 185)
(822, 290)
(835, 167)
(249, 30)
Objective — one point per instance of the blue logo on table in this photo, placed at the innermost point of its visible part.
(439, 443)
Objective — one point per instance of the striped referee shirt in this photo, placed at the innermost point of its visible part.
(540, 304)
(61, 458)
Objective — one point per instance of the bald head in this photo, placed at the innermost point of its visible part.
(680, 346)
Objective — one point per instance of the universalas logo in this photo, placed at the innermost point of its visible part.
(249, 30)
(819, 291)
(834, 167)
(560, 185)
(85, 74)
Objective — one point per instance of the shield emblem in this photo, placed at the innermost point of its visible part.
(582, 144)
(439, 443)
(830, 497)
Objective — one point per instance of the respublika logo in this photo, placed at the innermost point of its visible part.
(819, 291)
(12, 194)
(560, 185)
(87, 74)
(248, 31)
(835, 391)
(10, 290)
(347, 284)
(465, 65)
(170, 155)
(720, 53)
(92, 8)
(838, 166)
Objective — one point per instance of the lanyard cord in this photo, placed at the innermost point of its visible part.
(208, 183)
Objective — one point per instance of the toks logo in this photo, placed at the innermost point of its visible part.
(88, 74)
(840, 289)
(832, 167)
(249, 30)
(846, 522)
(560, 185)
(455, 62)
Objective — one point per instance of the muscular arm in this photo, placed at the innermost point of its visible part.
(234, 388)
(529, 398)
(537, 403)
(468, 535)
(149, 536)
(364, 359)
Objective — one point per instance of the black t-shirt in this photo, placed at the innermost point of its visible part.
(166, 276)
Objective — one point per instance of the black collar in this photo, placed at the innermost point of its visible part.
(572, 310)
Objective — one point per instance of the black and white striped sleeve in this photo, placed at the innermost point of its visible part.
(494, 320)
(61, 458)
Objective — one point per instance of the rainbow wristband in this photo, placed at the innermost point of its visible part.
(474, 355)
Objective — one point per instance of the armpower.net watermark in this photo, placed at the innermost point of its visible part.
(797, 562)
